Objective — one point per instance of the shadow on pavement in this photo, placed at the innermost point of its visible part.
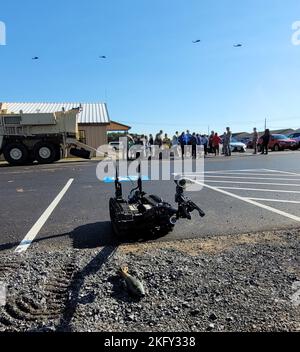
(89, 236)
(98, 234)
(93, 235)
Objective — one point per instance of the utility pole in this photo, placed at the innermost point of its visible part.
(265, 123)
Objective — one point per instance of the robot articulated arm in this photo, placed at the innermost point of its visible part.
(185, 205)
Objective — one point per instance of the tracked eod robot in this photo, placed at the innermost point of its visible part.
(144, 213)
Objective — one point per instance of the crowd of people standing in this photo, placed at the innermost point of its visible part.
(211, 143)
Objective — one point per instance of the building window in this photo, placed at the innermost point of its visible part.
(82, 136)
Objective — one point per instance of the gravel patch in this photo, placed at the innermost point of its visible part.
(247, 283)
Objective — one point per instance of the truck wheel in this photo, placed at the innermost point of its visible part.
(44, 153)
(16, 154)
(276, 148)
(58, 154)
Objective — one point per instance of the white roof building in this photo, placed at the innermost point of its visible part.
(93, 121)
(92, 113)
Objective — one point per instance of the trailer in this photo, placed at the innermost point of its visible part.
(40, 137)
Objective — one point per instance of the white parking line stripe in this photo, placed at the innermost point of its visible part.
(243, 178)
(243, 170)
(26, 242)
(224, 171)
(251, 178)
(258, 189)
(263, 206)
(283, 172)
(256, 183)
(276, 200)
(253, 174)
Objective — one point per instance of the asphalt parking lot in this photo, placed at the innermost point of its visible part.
(65, 205)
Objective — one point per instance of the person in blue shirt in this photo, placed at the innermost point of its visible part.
(182, 140)
(204, 142)
(199, 139)
(188, 137)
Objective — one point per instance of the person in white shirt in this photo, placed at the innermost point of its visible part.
(175, 143)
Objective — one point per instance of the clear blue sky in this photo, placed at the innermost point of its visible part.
(154, 77)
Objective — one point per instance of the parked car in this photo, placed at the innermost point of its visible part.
(278, 142)
(245, 140)
(250, 144)
(296, 137)
(237, 146)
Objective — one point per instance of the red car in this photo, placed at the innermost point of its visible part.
(278, 142)
(296, 137)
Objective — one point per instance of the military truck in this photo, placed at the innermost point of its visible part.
(40, 137)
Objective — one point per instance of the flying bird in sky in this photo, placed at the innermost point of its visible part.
(102, 57)
(197, 41)
(238, 45)
(35, 58)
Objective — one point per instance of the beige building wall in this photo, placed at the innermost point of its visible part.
(96, 135)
